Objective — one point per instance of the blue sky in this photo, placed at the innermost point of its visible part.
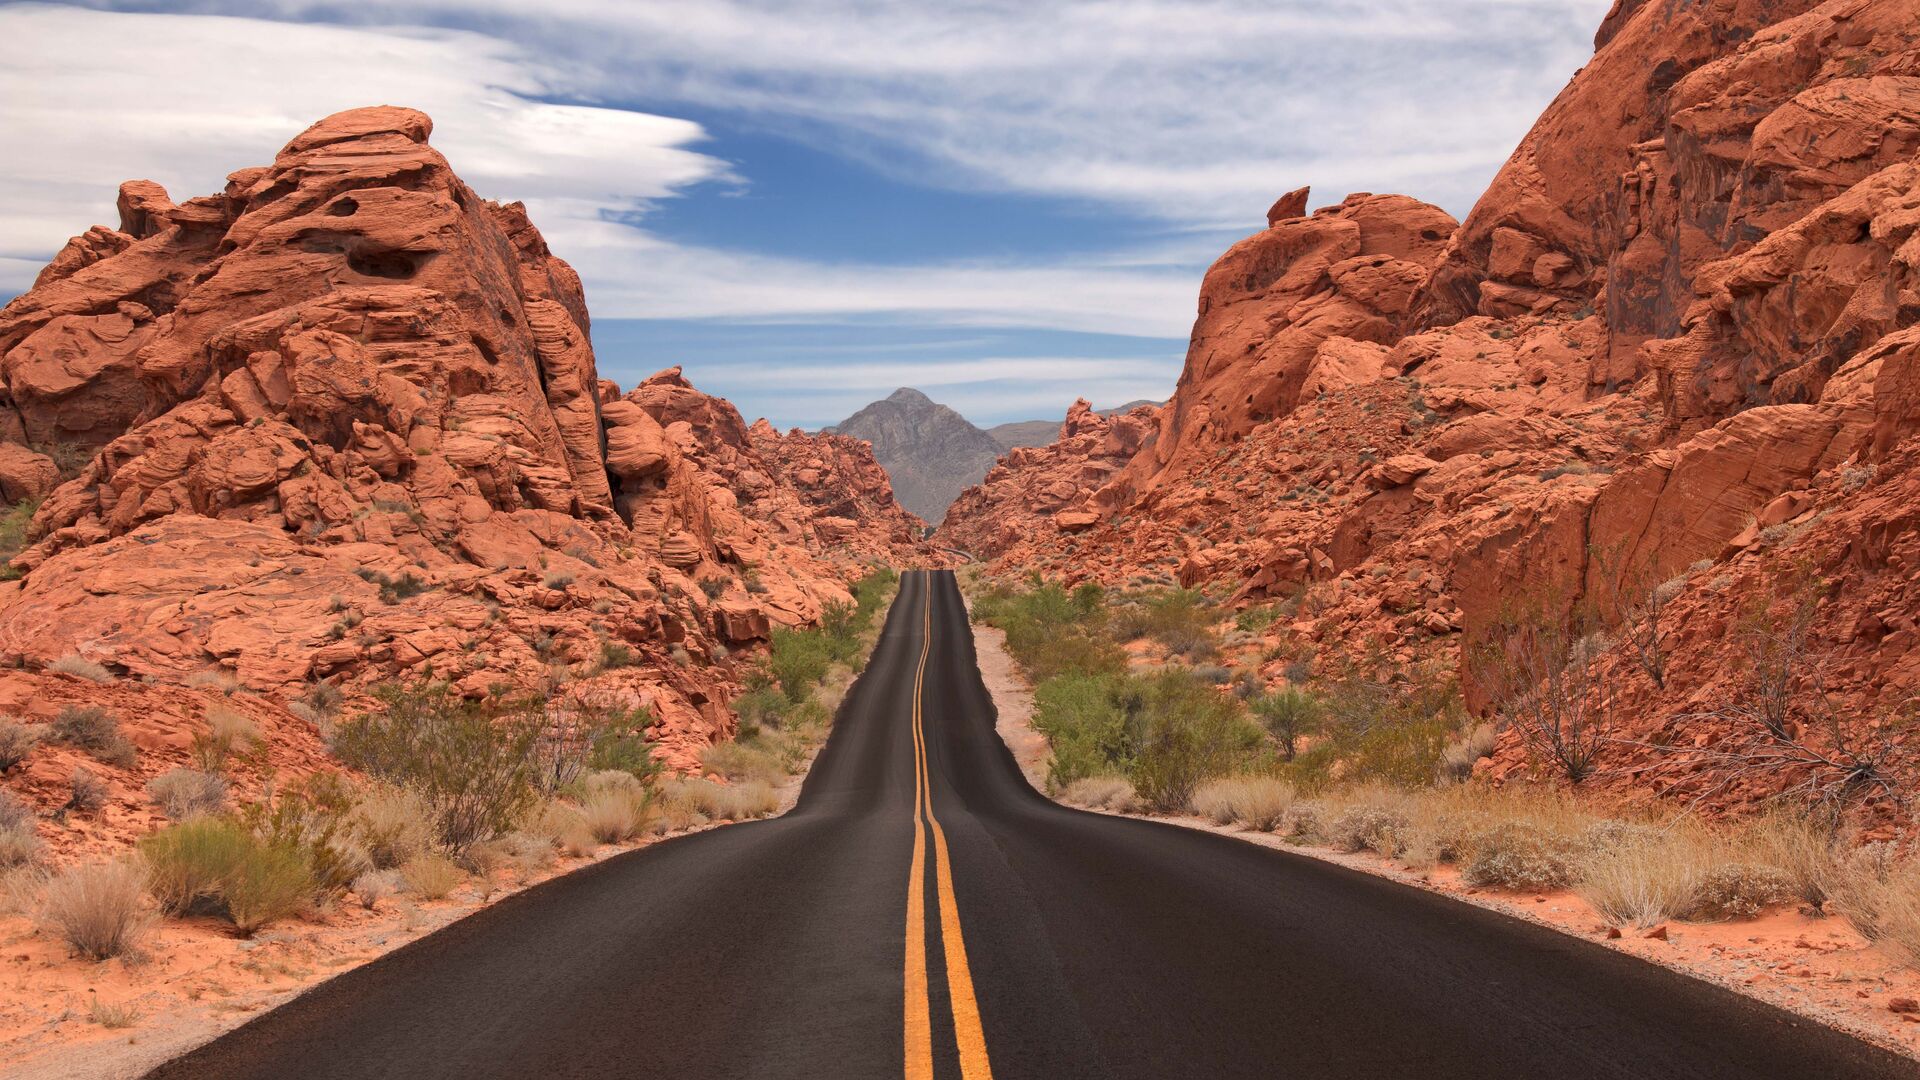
(806, 203)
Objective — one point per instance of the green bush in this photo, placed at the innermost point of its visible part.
(1093, 722)
(217, 866)
(1192, 733)
(1288, 714)
(472, 762)
(798, 659)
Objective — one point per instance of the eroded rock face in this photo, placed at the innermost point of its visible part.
(1675, 342)
(349, 428)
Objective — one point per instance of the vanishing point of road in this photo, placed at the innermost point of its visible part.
(924, 913)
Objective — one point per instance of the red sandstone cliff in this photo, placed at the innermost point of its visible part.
(1675, 342)
(346, 426)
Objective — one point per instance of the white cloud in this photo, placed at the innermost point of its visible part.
(92, 98)
(1194, 110)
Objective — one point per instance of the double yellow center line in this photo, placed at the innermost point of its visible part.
(972, 1041)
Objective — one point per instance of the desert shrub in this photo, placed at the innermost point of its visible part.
(270, 883)
(1255, 620)
(182, 793)
(308, 819)
(95, 731)
(1372, 822)
(77, 665)
(1460, 755)
(108, 1015)
(1289, 714)
(1879, 892)
(1801, 847)
(1301, 823)
(761, 707)
(1644, 883)
(17, 740)
(561, 825)
(1253, 802)
(1092, 722)
(744, 801)
(1521, 855)
(691, 801)
(391, 824)
(797, 659)
(741, 761)
(373, 887)
(16, 527)
(430, 875)
(1190, 733)
(189, 864)
(589, 732)
(97, 909)
(229, 733)
(616, 813)
(20, 843)
(1739, 891)
(14, 812)
(472, 762)
(615, 655)
(86, 792)
(1101, 793)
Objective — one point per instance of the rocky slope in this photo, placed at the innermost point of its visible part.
(929, 451)
(340, 423)
(1672, 347)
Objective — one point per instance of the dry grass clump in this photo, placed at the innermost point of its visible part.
(95, 731)
(86, 792)
(97, 908)
(183, 793)
(1102, 793)
(1879, 891)
(20, 843)
(114, 1017)
(77, 665)
(688, 802)
(1252, 802)
(1801, 847)
(374, 886)
(561, 824)
(616, 807)
(739, 761)
(430, 875)
(228, 734)
(17, 740)
(391, 824)
(1646, 880)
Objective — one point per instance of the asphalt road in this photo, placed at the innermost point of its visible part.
(988, 932)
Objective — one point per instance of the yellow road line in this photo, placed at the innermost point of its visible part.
(967, 1032)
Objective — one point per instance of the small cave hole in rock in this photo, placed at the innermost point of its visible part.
(344, 207)
(382, 264)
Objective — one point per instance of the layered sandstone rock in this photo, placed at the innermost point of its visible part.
(349, 428)
(1674, 343)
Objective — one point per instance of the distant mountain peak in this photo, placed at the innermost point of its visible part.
(907, 395)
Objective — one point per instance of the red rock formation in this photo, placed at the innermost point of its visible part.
(350, 429)
(1674, 342)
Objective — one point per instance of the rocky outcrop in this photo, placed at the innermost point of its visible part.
(929, 451)
(349, 428)
(1673, 346)
(1045, 491)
